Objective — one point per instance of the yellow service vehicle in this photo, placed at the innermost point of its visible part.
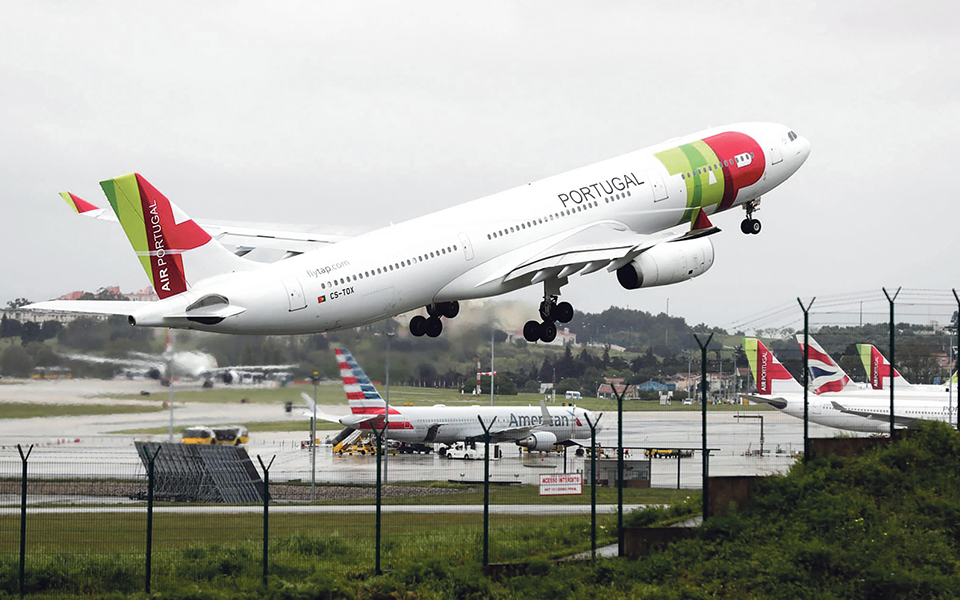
(231, 434)
(199, 435)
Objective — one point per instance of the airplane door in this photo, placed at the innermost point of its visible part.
(775, 155)
(656, 183)
(467, 246)
(294, 293)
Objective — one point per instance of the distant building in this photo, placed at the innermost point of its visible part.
(657, 386)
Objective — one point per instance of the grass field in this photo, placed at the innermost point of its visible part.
(332, 394)
(18, 410)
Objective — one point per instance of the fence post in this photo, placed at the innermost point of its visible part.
(705, 457)
(486, 488)
(620, 548)
(893, 354)
(150, 462)
(378, 433)
(266, 513)
(806, 376)
(956, 360)
(23, 515)
(593, 484)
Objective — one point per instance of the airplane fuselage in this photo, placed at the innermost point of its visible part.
(461, 253)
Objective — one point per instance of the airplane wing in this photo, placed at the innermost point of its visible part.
(244, 237)
(352, 420)
(140, 363)
(252, 368)
(898, 420)
(92, 307)
(609, 244)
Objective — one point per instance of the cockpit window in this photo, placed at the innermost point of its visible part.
(792, 136)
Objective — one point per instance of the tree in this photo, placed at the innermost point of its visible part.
(570, 384)
(30, 332)
(9, 327)
(18, 303)
(16, 362)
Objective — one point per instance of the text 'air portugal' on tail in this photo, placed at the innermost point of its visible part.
(175, 252)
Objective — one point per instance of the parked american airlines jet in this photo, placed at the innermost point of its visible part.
(625, 215)
(533, 427)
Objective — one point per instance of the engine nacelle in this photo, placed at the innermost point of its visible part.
(539, 440)
(670, 262)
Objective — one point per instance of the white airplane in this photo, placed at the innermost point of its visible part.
(859, 410)
(190, 364)
(625, 214)
(826, 376)
(533, 427)
(878, 369)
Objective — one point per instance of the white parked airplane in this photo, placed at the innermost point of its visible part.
(857, 410)
(533, 427)
(624, 214)
(190, 364)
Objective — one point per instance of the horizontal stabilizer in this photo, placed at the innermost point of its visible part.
(90, 307)
(778, 403)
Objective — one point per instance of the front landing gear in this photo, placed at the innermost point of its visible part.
(751, 225)
(550, 312)
(433, 326)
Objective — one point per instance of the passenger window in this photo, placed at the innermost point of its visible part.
(323, 286)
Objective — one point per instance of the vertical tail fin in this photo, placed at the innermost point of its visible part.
(174, 251)
(825, 374)
(362, 396)
(770, 376)
(877, 367)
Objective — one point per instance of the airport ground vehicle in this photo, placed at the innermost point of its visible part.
(470, 451)
(667, 453)
(231, 434)
(199, 435)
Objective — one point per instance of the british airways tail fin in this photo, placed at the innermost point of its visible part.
(877, 367)
(825, 374)
(362, 396)
(174, 251)
(770, 376)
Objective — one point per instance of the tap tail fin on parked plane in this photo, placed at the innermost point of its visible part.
(877, 367)
(174, 251)
(770, 376)
(825, 374)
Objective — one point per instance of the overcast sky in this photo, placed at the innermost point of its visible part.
(346, 114)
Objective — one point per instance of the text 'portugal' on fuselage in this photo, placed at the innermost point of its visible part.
(643, 215)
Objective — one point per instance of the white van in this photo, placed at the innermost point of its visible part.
(573, 395)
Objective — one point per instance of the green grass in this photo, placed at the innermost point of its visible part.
(17, 410)
(332, 394)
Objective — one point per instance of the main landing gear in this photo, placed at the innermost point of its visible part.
(750, 225)
(550, 312)
(433, 326)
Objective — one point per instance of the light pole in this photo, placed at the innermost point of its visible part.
(386, 417)
(492, 370)
(313, 440)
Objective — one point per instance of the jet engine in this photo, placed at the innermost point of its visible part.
(539, 440)
(666, 263)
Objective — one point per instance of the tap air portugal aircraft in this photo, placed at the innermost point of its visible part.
(855, 410)
(878, 369)
(533, 427)
(626, 215)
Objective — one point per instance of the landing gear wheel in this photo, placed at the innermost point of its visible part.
(548, 332)
(433, 327)
(745, 226)
(531, 331)
(418, 326)
(450, 309)
(563, 312)
(433, 310)
(754, 226)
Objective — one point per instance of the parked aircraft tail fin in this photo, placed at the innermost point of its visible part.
(77, 203)
(362, 395)
(770, 376)
(825, 374)
(877, 367)
(174, 251)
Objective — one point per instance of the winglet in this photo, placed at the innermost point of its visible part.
(77, 203)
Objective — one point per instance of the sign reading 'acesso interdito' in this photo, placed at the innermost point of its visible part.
(561, 484)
